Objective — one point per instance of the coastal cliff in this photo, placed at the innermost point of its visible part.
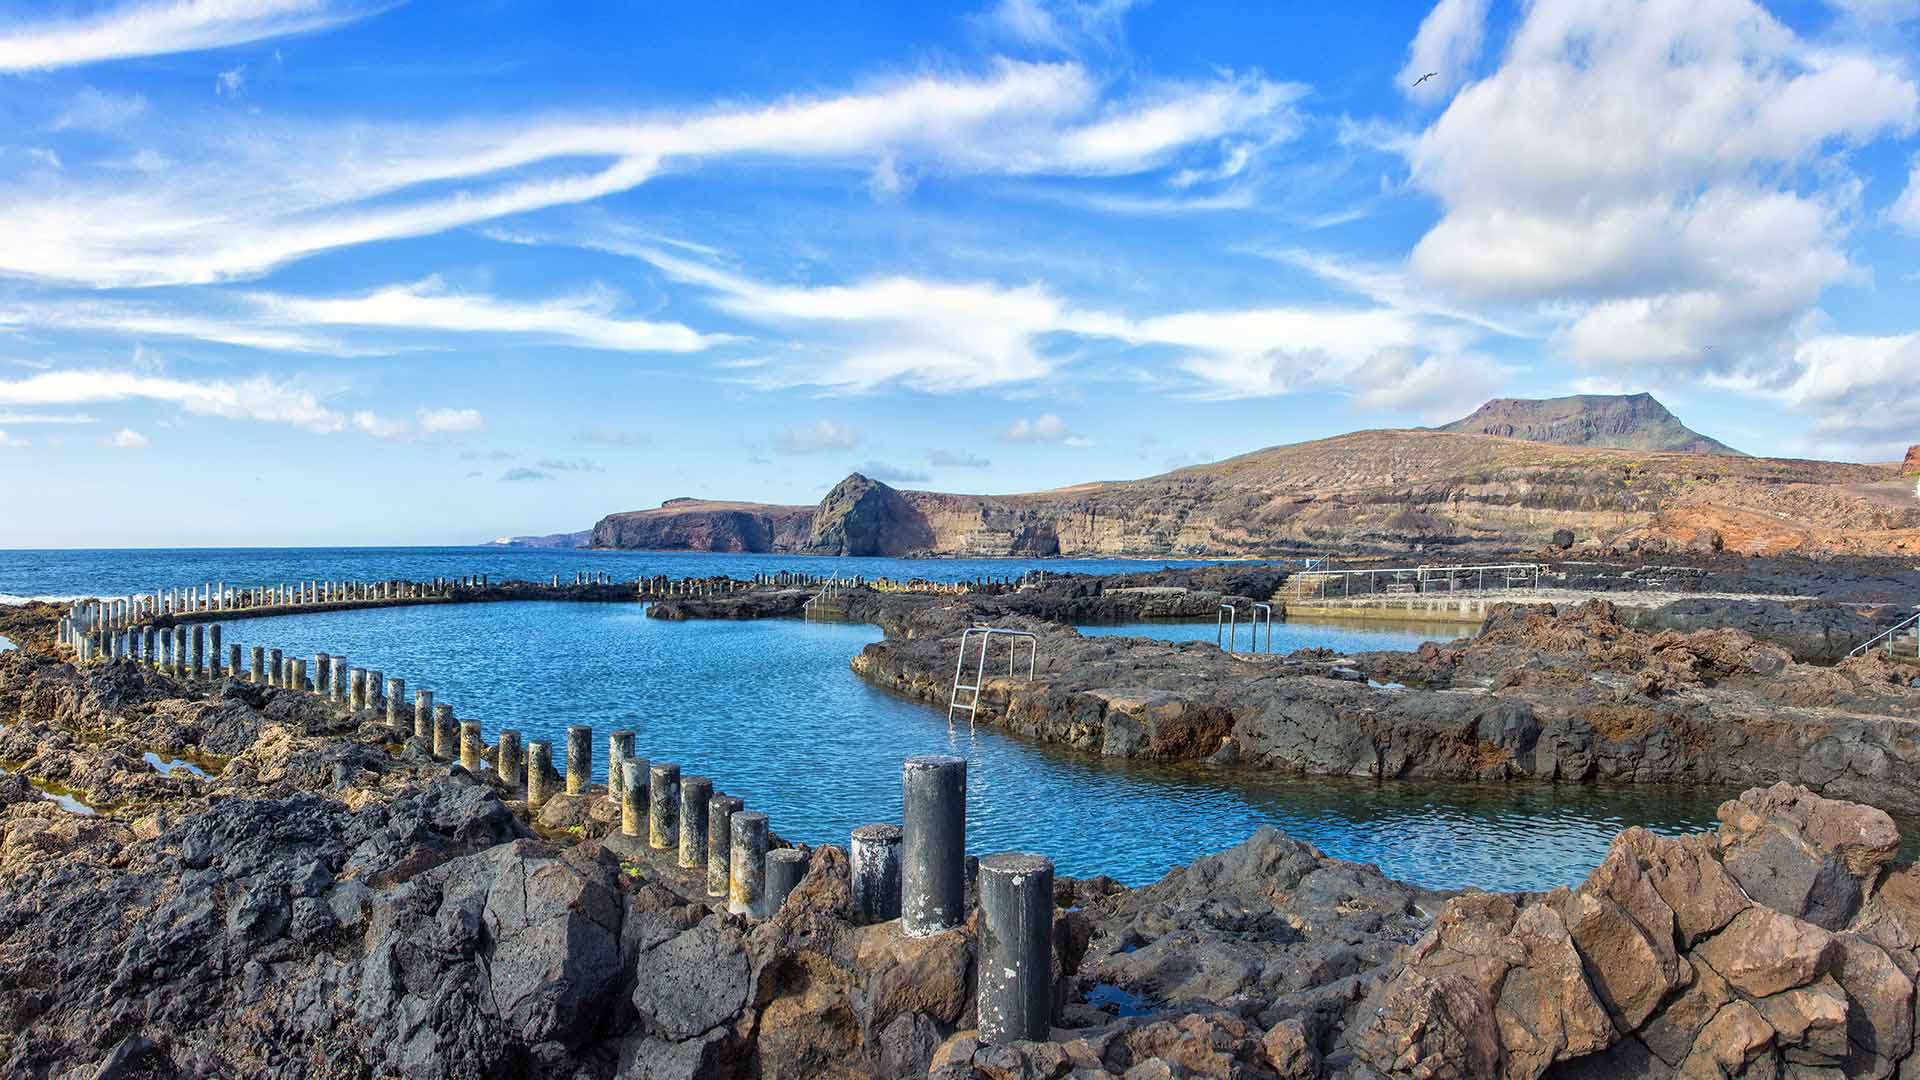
(1372, 491)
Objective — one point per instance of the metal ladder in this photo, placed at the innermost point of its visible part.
(1226, 633)
(986, 633)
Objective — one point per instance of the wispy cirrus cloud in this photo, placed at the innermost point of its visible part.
(260, 397)
(236, 205)
(162, 27)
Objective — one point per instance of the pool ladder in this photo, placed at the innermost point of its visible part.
(986, 635)
(1226, 629)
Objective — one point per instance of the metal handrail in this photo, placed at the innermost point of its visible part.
(980, 674)
(1887, 635)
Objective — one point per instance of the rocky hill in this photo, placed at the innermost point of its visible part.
(1386, 492)
(1627, 421)
(701, 525)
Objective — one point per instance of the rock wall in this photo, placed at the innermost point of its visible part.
(691, 525)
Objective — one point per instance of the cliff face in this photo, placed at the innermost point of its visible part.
(697, 525)
(1372, 491)
(1628, 421)
(1911, 467)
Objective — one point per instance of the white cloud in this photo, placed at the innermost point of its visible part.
(381, 427)
(1862, 388)
(822, 436)
(441, 421)
(148, 320)
(957, 459)
(93, 109)
(157, 28)
(1069, 26)
(230, 82)
(257, 398)
(238, 205)
(1446, 45)
(587, 319)
(1906, 210)
(891, 474)
(1662, 176)
(7, 417)
(127, 439)
(1045, 428)
(1437, 387)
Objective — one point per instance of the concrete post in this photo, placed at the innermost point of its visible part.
(341, 679)
(579, 758)
(539, 773)
(933, 844)
(720, 811)
(299, 673)
(747, 865)
(509, 760)
(259, 669)
(633, 796)
(470, 745)
(619, 749)
(423, 715)
(875, 858)
(234, 666)
(663, 807)
(357, 698)
(180, 667)
(397, 722)
(1016, 948)
(445, 734)
(373, 689)
(199, 650)
(147, 634)
(213, 651)
(276, 668)
(695, 791)
(785, 868)
(323, 674)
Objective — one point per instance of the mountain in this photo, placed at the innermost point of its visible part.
(1629, 421)
(551, 540)
(1388, 491)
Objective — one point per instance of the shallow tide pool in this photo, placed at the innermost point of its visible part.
(770, 711)
(1284, 636)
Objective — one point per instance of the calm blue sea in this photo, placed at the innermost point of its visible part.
(63, 574)
(771, 712)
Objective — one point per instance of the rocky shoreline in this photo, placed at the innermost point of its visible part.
(325, 901)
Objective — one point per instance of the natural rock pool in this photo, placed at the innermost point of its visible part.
(1345, 636)
(770, 711)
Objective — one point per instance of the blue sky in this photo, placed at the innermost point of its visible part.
(323, 271)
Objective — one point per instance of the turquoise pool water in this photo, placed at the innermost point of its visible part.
(771, 712)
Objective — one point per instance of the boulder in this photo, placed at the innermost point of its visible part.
(1805, 855)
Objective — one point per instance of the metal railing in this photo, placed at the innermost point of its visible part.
(1890, 637)
(1422, 580)
(1226, 628)
(986, 634)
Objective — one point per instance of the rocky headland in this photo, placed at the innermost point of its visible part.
(319, 900)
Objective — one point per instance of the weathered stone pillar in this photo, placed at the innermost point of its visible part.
(357, 696)
(663, 807)
(199, 650)
(875, 858)
(747, 865)
(373, 689)
(234, 666)
(423, 715)
(399, 723)
(276, 668)
(633, 796)
(694, 793)
(539, 773)
(1016, 948)
(299, 673)
(470, 745)
(619, 749)
(510, 761)
(785, 868)
(579, 758)
(720, 811)
(340, 678)
(213, 651)
(933, 843)
(323, 674)
(445, 734)
(258, 669)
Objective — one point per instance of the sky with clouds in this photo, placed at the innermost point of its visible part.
(333, 271)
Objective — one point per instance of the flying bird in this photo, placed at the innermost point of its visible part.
(1425, 77)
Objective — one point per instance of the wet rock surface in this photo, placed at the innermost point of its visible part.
(328, 903)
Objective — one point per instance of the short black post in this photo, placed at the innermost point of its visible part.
(694, 793)
(663, 807)
(875, 856)
(579, 758)
(785, 868)
(1016, 947)
(720, 811)
(933, 844)
(747, 865)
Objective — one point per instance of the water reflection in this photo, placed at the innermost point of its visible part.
(772, 713)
